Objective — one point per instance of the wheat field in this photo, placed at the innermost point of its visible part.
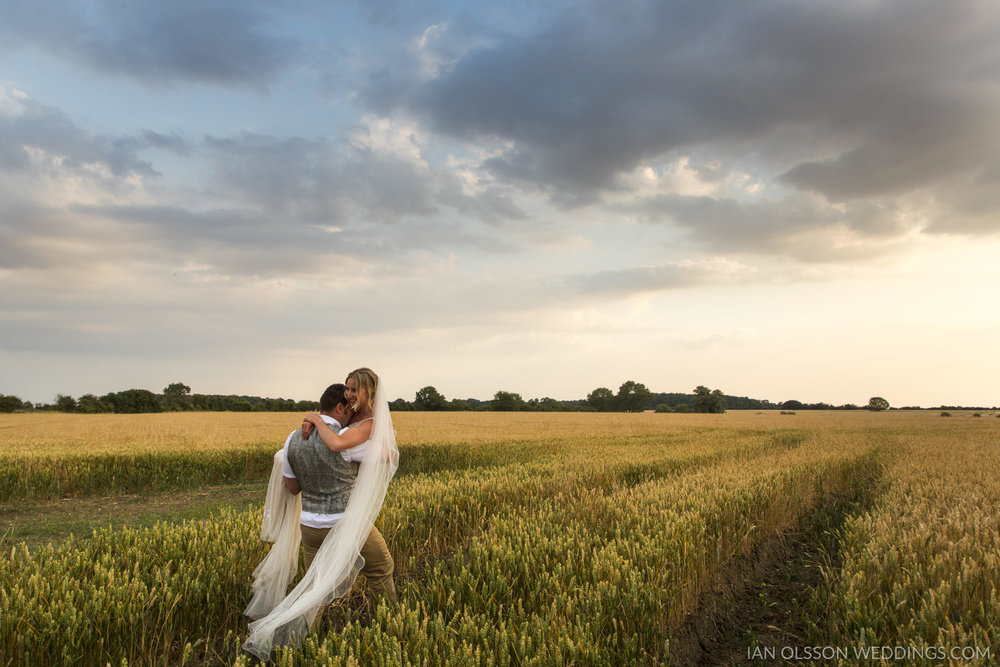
(523, 538)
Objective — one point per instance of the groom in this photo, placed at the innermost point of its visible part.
(325, 480)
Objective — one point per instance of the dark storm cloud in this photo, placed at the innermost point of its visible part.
(293, 176)
(53, 135)
(971, 205)
(23, 224)
(269, 206)
(43, 155)
(223, 240)
(253, 242)
(326, 182)
(169, 142)
(801, 226)
(225, 41)
(852, 100)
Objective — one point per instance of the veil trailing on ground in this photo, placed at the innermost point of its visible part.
(338, 560)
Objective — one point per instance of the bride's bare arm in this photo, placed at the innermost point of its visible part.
(338, 443)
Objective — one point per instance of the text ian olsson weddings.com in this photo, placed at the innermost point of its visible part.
(909, 653)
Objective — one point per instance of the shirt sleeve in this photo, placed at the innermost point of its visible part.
(286, 468)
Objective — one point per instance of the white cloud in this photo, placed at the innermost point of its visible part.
(674, 178)
(431, 60)
(12, 101)
(399, 139)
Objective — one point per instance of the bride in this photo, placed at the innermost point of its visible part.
(285, 620)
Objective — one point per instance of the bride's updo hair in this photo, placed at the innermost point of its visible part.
(367, 380)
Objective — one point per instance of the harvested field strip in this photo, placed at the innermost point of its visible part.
(54, 521)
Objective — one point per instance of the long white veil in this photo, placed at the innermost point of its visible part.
(280, 526)
(338, 560)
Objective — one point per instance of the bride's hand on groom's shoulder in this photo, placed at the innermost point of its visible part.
(308, 422)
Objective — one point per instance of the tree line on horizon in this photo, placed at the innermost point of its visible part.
(631, 397)
(176, 397)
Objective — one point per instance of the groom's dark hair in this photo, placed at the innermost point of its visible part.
(333, 396)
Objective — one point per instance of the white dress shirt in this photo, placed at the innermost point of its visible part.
(355, 454)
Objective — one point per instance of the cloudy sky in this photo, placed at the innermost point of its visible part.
(780, 198)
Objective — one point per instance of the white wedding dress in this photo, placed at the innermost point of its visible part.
(285, 620)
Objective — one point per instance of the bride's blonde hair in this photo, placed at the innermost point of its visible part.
(367, 380)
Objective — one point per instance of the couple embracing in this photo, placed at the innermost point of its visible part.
(326, 489)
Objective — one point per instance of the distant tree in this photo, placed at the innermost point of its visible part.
(400, 405)
(663, 407)
(476, 404)
(601, 399)
(238, 404)
(110, 399)
(548, 404)
(214, 403)
(877, 404)
(10, 403)
(65, 403)
(459, 405)
(747, 403)
(633, 396)
(277, 405)
(682, 407)
(791, 405)
(90, 405)
(708, 401)
(507, 401)
(429, 398)
(132, 401)
(177, 397)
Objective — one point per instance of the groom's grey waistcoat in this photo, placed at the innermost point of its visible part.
(325, 477)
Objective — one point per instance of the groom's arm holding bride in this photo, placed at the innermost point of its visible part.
(291, 481)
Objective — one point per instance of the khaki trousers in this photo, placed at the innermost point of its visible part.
(378, 561)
